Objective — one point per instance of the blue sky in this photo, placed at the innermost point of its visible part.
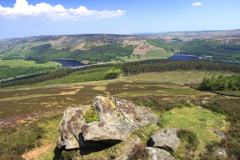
(24, 18)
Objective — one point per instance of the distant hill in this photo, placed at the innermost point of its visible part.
(106, 47)
(213, 33)
(151, 33)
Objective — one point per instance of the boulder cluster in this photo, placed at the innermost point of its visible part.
(115, 119)
(118, 118)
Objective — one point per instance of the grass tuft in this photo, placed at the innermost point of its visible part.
(190, 137)
(20, 140)
(91, 116)
(139, 152)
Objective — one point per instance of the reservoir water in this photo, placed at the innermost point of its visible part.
(73, 63)
(183, 57)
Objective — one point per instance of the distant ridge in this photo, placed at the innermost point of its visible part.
(168, 32)
(221, 33)
(213, 33)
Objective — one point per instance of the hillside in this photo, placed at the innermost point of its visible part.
(104, 47)
(30, 117)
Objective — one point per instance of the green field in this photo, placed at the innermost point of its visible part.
(154, 54)
(24, 63)
(158, 54)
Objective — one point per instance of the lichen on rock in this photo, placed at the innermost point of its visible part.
(166, 139)
(118, 118)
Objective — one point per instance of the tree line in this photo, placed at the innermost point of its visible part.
(165, 65)
(6, 71)
(9, 58)
(53, 75)
(134, 68)
(113, 73)
(231, 83)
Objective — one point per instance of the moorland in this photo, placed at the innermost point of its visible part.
(190, 95)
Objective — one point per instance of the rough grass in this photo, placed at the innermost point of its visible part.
(54, 99)
(17, 140)
(188, 77)
(160, 97)
(198, 120)
(145, 132)
(139, 152)
(49, 138)
(190, 138)
(230, 92)
(24, 101)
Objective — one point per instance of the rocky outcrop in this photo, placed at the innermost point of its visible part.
(118, 118)
(159, 154)
(70, 128)
(219, 133)
(166, 139)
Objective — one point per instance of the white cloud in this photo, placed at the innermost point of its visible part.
(22, 9)
(197, 4)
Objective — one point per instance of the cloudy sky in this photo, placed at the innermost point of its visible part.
(23, 18)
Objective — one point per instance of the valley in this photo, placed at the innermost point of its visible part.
(199, 97)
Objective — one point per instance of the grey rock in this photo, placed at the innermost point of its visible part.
(159, 154)
(220, 152)
(219, 133)
(70, 128)
(128, 148)
(112, 131)
(166, 139)
(117, 120)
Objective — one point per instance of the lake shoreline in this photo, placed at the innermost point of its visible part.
(75, 64)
